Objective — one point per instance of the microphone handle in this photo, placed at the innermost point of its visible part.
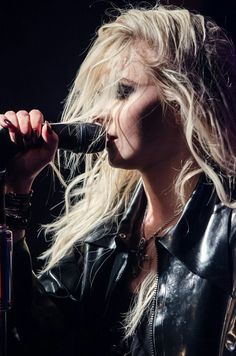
(77, 137)
(80, 137)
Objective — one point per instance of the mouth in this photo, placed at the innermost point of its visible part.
(110, 140)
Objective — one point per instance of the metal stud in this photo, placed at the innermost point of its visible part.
(122, 236)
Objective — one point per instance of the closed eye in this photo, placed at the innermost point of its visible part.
(124, 91)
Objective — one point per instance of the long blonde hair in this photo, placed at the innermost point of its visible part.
(193, 69)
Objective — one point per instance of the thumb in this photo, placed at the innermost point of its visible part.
(50, 138)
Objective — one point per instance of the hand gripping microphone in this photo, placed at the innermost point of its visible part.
(78, 137)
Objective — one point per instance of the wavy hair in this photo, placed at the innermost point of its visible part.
(193, 66)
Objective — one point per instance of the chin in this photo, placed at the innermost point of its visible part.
(122, 164)
(129, 162)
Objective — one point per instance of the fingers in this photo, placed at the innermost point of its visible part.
(23, 126)
(36, 120)
(9, 120)
(49, 136)
(23, 118)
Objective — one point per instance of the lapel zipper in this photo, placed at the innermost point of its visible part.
(153, 312)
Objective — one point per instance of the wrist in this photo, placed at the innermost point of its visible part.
(18, 210)
(22, 187)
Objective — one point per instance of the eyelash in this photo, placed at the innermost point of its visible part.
(124, 91)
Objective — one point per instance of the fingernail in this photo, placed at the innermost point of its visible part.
(35, 132)
(8, 122)
(49, 129)
(35, 136)
(27, 141)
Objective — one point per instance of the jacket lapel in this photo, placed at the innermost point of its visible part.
(200, 238)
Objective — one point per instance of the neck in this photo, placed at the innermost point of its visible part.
(163, 201)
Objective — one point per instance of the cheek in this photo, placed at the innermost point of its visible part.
(127, 125)
(139, 122)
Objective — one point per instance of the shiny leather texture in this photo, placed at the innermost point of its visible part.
(194, 310)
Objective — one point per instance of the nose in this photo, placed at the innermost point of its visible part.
(98, 120)
(104, 120)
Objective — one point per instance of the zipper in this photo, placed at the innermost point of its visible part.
(228, 343)
(153, 312)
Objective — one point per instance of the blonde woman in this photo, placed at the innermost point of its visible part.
(142, 261)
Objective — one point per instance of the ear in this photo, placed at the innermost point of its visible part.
(175, 106)
(176, 111)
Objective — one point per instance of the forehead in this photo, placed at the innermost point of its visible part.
(135, 71)
(133, 64)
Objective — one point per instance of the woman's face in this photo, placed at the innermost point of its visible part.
(140, 134)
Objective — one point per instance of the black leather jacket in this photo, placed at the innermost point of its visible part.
(70, 310)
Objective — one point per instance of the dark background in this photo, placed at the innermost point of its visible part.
(42, 45)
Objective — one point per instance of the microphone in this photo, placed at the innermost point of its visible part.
(78, 137)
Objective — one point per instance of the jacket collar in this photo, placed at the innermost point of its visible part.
(199, 239)
(109, 235)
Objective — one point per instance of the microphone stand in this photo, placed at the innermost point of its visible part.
(5, 268)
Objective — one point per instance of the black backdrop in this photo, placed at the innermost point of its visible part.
(42, 45)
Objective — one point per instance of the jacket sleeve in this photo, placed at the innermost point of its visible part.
(45, 309)
(230, 321)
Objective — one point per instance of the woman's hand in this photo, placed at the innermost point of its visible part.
(24, 129)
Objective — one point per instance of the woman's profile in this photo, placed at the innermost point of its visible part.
(142, 261)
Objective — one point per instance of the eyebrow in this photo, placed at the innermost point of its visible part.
(124, 79)
(127, 81)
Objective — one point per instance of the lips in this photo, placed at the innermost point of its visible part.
(110, 140)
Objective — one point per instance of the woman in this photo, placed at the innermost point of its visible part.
(143, 259)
